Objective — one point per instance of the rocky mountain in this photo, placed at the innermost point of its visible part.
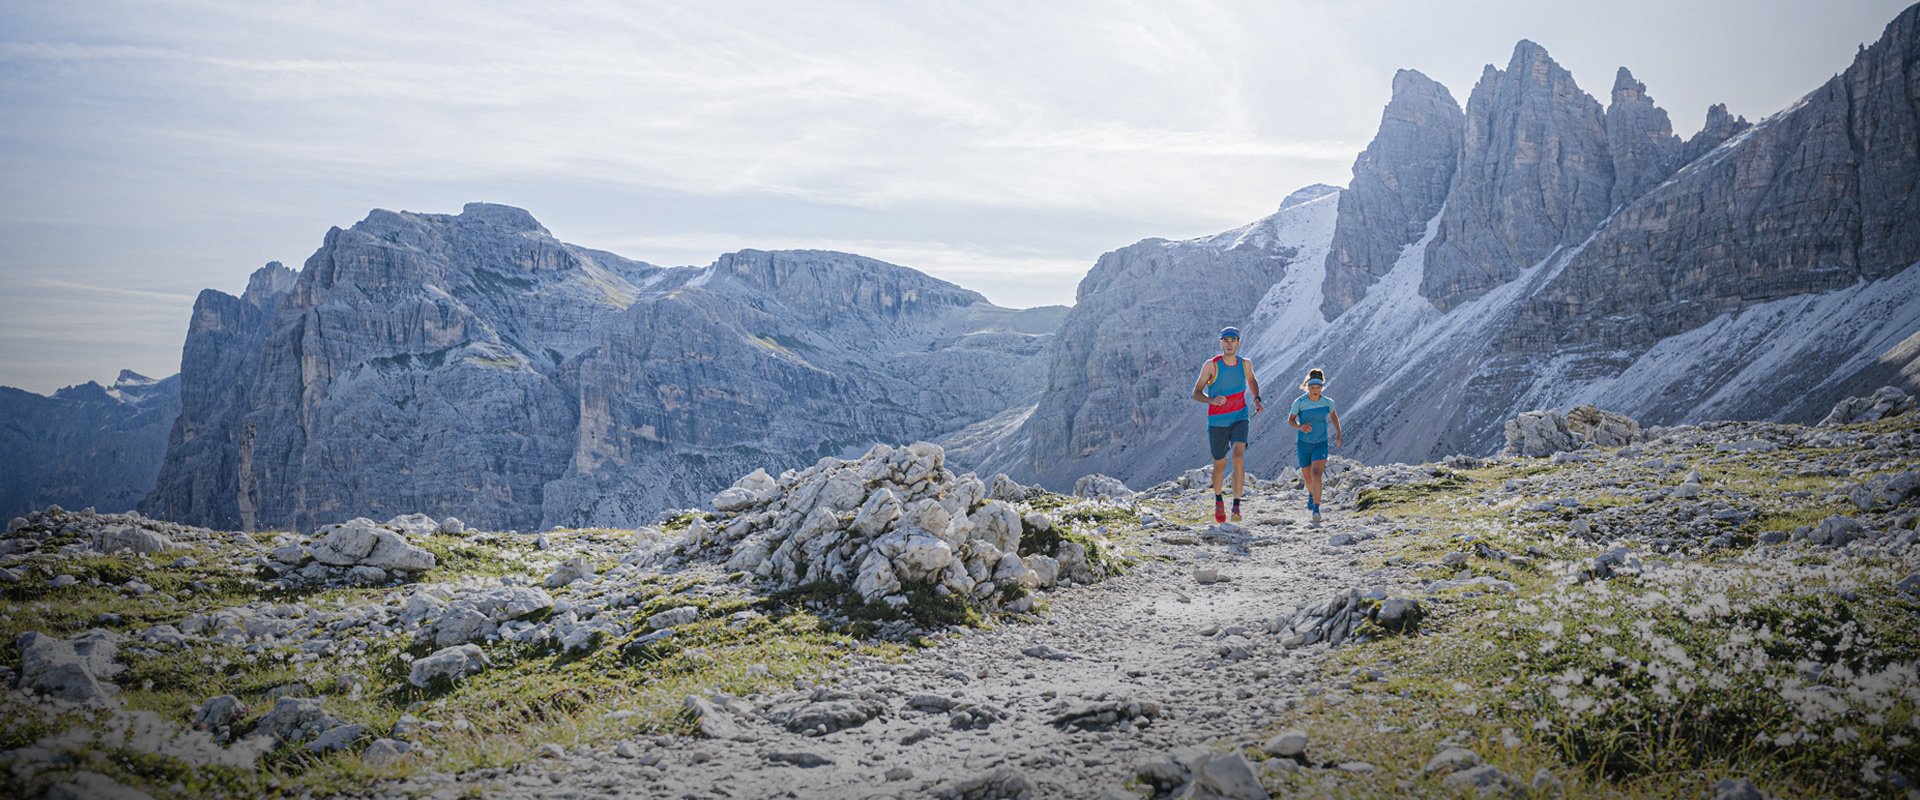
(86, 445)
(474, 365)
(1577, 255)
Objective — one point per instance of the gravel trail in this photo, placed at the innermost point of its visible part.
(1112, 675)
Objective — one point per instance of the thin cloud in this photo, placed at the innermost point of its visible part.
(114, 290)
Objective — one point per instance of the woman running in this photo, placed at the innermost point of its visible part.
(1310, 415)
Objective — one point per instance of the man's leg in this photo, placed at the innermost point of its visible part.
(1219, 471)
(1239, 468)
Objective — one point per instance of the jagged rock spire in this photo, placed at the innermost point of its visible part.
(1534, 174)
(1399, 183)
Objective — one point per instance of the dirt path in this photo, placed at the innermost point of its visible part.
(1114, 675)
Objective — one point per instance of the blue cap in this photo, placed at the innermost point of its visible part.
(1229, 332)
(1315, 382)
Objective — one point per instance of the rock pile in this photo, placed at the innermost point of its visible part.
(1542, 433)
(892, 524)
(1340, 618)
(55, 528)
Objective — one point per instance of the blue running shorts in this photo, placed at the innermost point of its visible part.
(1220, 437)
(1310, 452)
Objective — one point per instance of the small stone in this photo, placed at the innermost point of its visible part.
(452, 663)
(1737, 789)
(1545, 782)
(673, 618)
(338, 737)
(551, 750)
(1287, 744)
(1910, 584)
(1208, 575)
(626, 750)
(1356, 767)
(452, 526)
(1481, 779)
(1451, 759)
(799, 758)
(219, 712)
(899, 774)
(385, 752)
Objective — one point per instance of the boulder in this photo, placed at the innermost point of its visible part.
(140, 541)
(219, 712)
(573, 569)
(747, 492)
(453, 527)
(344, 544)
(1100, 486)
(1222, 776)
(414, 524)
(673, 618)
(74, 670)
(295, 719)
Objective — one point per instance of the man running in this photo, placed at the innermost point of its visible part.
(1310, 415)
(1223, 385)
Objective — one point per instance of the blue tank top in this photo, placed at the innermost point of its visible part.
(1229, 382)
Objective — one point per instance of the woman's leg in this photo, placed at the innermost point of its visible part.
(1319, 470)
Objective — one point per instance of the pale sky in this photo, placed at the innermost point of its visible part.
(149, 150)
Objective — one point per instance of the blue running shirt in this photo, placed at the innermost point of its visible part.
(1314, 413)
(1229, 382)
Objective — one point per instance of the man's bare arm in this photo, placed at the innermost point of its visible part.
(1200, 386)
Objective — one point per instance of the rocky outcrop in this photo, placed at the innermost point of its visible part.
(1542, 433)
(85, 445)
(1887, 401)
(1399, 182)
(1640, 139)
(1535, 174)
(473, 364)
(894, 527)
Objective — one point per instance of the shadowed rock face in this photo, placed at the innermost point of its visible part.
(218, 365)
(1534, 174)
(473, 365)
(86, 445)
(1399, 182)
(1813, 199)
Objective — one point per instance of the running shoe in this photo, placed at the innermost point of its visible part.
(1316, 516)
(1236, 510)
(1219, 511)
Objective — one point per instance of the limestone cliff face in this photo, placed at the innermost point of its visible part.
(217, 367)
(774, 360)
(86, 445)
(1399, 182)
(1813, 199)
(1535, 174)
(473, 365)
